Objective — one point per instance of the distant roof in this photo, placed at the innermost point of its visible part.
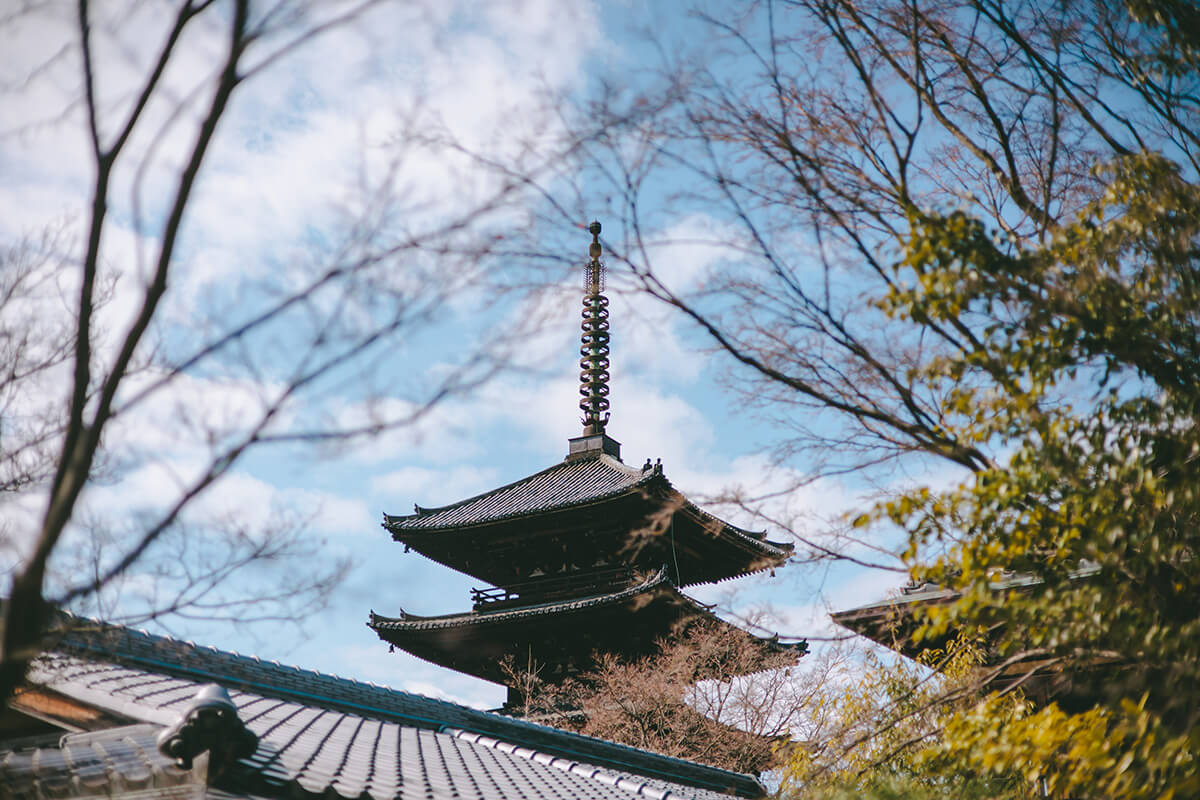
(895, 621)
(321, 733)
(909, 596)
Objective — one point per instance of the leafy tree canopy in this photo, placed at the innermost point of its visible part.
(1086, 373)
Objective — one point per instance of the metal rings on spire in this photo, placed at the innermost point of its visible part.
(593, 366)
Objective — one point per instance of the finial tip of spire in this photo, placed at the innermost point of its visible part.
(594, 249)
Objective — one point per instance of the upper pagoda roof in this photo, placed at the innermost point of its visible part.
(565, 485)
(590, 512)
(599, 508)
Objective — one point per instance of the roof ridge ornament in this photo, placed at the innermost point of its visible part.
(594, 348)
(209, 723)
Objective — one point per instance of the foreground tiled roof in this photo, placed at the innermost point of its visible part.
(320, 754)
(324, 735)
(99, 763)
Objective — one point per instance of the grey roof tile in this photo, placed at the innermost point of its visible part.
(430, 765)
(321, 735)
(625, 782)
(99, 763)
(563, 485)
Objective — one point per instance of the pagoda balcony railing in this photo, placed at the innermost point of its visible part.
(554, 587)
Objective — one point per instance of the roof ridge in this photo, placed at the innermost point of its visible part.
(166, 638)
(604, 458)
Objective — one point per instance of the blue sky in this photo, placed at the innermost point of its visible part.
(301, 148)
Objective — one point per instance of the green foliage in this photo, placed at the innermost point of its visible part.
(1103, 752)
(889, 721)
(1079, 551)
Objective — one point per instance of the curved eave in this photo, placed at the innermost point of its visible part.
(756, 540)
(403, 526)
(433, 542)
(415, 622)
(628, 621)
(446, 548)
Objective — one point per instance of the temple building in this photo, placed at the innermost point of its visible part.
(894, 621)
(587, 556)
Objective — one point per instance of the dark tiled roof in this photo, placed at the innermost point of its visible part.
(914, 594)
(102, 763)
(894, 622)
(320, 732)
(566, 485)
(416, 622)
(908, 597)
(310, 753)
(570, 483)
(627, 623)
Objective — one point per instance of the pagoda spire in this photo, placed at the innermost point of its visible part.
(593, 366)
(593, 362)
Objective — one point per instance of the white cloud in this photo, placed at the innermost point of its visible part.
(285, 169)
(433, 486)
(252, 501)
(683, 255)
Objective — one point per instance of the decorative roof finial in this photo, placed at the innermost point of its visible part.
(593, 375)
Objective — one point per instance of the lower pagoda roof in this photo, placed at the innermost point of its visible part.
(609, 513)
(560, 637)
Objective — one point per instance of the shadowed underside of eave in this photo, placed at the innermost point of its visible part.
(559, 638)
(512, 536)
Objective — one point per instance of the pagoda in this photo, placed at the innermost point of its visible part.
(586, 556)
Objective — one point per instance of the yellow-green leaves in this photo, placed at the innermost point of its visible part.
(1081, 366)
